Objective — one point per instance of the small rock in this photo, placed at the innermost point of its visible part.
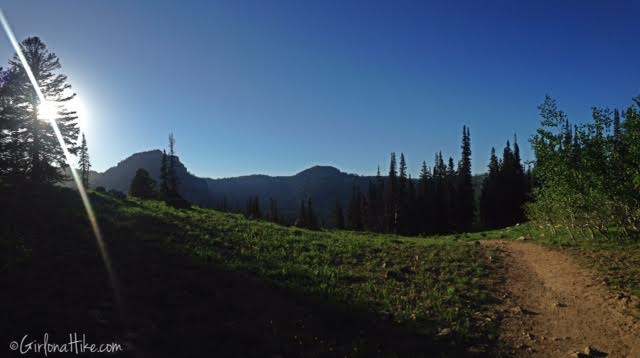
(516, 310)
(559, 305)
(521, 238)
(588, 350)
(444, 332)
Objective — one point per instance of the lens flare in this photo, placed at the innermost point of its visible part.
(47, 109)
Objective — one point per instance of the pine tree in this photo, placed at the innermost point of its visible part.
(354, 211)
(450, 180)
(312, 219)
(171, 170)
(338, 216)
(164, 177)
(40, 158)
(425, 201)
(391, 197)
(173, 197)
(489, 200)
(83, 162)
(377, 205)
(274, 215)
(142, 186)
(440, 200)
(402, 220)
(254, 208)
(301, 221)
(465, 201)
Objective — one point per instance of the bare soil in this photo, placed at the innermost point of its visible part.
(552, 307)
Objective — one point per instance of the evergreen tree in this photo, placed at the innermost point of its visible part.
(171, 169)
(142, 186)
(402, 214)
(301, 221)
(425, 201)
(164, 177)
(312, 219)
(489, 199)
(440, 199)
(338, 216)
(173, 197)
(465, 200)
(38, 155)
(83, 162)
(450, 206)
(391, 197)
(354, 211)
(253, 208)
(274, 215)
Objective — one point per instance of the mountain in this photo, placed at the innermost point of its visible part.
(323, 184)
(119, 177)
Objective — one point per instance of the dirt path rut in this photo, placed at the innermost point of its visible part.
(552, 307)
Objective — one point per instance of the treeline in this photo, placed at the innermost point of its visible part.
(588, 174)
(29, 150)
(442, 200)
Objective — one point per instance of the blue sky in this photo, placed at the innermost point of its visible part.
(277, 86)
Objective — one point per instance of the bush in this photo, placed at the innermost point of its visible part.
(117, 194)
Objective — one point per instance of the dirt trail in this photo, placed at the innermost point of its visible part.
(552, 307)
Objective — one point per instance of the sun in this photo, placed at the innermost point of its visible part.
(47, 111)
(77, 104)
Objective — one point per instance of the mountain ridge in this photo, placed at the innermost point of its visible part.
(323, 184)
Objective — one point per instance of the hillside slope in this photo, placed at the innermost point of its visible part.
(246, 288)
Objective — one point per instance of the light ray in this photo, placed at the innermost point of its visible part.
(76, 178)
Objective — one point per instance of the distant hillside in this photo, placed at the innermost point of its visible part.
(323, 184)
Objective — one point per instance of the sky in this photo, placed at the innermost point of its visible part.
(277, 86)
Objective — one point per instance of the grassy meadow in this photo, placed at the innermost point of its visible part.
(353, 293)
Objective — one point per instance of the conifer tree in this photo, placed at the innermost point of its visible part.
(173, 197)
(425, 201)
(338, 216)
(41, 158)
(450, 210)
(440, 199)
(301, 221)
(171, 169)
(465, 201)
(274, 215)
(402, 213)
(354, 211)
(83, 162)
(164, 177)
(391, 197)
(142, 186)
(489, 199)
(312, 219)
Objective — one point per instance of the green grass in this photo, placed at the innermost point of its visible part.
(426, 284)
